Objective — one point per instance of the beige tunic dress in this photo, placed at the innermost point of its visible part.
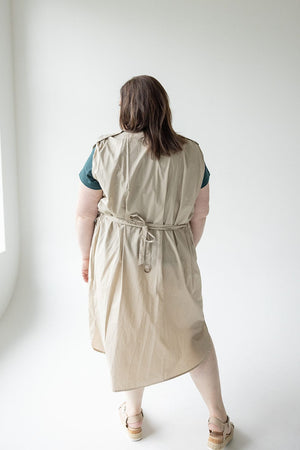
(145, 298)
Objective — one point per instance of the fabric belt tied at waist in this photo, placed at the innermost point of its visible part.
(147, 238)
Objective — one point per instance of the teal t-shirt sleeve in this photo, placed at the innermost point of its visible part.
(86, 173)
(206, 177)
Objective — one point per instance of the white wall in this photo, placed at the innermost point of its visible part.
(9, 258)
(232, 73)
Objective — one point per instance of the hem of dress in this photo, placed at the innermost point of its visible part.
(165, 379)
(96, 349)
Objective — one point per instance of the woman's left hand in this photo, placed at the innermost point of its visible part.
(85, 269)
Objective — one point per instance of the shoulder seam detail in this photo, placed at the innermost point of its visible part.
(105, 136)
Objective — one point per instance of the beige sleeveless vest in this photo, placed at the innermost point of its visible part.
(145, 299)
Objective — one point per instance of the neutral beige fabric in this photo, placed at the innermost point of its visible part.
(145, 298)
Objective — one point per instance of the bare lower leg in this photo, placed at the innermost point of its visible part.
(133, 399)
(207, 380)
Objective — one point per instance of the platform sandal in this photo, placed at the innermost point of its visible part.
(134, 434)
(218, 439)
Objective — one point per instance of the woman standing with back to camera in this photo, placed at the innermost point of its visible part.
(143, 202)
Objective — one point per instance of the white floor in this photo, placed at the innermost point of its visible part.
(56, 393)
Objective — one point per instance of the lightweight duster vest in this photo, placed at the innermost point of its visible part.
(145, 297)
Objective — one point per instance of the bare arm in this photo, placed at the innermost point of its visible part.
(201, 210)
(86, 213)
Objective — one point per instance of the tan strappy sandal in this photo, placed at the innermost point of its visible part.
(218, 439)
(134, 433)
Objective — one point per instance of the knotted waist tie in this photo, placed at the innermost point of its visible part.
(146, 238)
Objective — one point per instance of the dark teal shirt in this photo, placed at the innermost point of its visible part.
(87, 178)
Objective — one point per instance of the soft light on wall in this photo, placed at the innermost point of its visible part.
(2, 222)
(9, 207)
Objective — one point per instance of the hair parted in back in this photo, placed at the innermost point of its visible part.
(144, 106)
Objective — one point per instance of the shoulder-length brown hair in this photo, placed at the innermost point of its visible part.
(144, 106)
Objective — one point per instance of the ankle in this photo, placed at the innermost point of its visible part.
(222, 418)
(133, 412)
(219, 414)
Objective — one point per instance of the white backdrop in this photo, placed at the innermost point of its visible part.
(9, 214)
(231, 70)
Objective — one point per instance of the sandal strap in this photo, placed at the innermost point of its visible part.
(218, 422)
(136, 418)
